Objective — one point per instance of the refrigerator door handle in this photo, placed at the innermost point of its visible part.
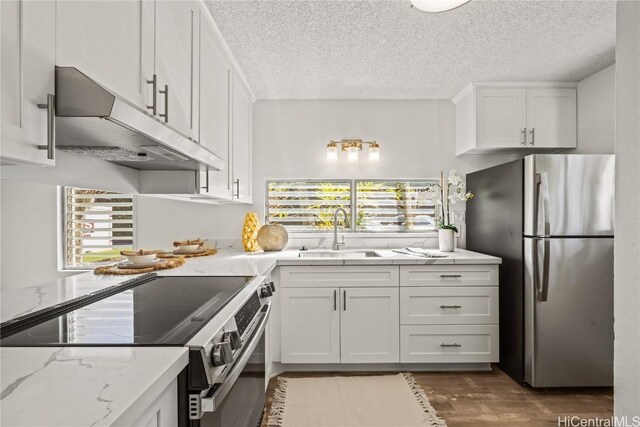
(541, 278)
(542, 191)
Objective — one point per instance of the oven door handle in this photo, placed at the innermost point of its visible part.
(210, 404)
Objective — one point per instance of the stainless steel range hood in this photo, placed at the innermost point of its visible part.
(94, 122)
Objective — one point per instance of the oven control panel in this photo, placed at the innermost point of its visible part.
(245, 315)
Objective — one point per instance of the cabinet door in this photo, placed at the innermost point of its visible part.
(111, 42)
(501, 118)
(310, 325)
(176, 64)
(551, 118)
(28, 66)
(214, 107)
(369, 325)
(241, 137)
(163, 411)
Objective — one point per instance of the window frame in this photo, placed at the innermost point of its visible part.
(351, 183)
(63, 263)
(401, 233)
(353, 208)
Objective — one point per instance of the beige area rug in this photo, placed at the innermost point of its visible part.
(371, 401)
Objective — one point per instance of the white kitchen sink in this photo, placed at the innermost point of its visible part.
(338, 254)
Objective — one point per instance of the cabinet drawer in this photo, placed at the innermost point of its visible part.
(339, 276)
(448, 275)
(449, 343)
(455, 305)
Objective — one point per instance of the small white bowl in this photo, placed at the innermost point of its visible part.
(187, 249)
(141, 259)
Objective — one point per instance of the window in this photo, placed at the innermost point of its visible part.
(97, 225)
(393, 206)
(376, 205)
(307, 205)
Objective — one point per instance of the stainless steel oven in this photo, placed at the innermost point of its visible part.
(224, 384)
(238, 401)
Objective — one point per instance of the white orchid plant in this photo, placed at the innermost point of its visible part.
(443, 195)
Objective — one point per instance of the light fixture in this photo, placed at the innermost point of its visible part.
(332, 151)
(353, 148)
(352, 153)
(435, 6)
(374, 152)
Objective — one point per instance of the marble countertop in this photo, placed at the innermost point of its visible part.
(99, 386)
(83, 386)
(231, 262)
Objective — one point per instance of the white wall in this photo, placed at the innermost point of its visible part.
(597, 113)
(29, 220)
(417, 140)
(627, 242)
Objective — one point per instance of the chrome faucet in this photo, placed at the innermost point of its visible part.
(336, 244)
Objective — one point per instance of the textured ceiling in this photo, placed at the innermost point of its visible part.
(385, 49)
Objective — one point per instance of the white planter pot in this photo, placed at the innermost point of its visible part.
(446, 240)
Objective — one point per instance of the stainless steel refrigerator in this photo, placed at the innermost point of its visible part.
(551, 219)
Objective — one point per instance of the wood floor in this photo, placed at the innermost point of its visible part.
(486, 399)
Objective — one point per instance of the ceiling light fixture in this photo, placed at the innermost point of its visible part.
(353, 148)
(435, 6)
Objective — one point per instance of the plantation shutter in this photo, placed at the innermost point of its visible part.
(393, 206)
(98, 225)
(307, 205)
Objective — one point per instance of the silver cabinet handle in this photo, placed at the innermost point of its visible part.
(455, 344)
(51, 126)
(532, 132)
(237, 182)
(206, 186)
(344, 298)
(154, 99)
(335, 300)
(450, 306)
(444, 276)
(165, 92)
(524, 136)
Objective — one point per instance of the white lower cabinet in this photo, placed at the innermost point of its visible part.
(369, 325)
(389, 314)
(163, 411)
(449, 314)
(449, 305)
(310, 325)
(449, 343)
(340, 325)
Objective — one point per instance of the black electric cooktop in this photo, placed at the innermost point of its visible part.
(163, 311)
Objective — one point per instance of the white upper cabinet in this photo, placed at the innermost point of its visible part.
(241, 136)
(176, 64)
(551, 118)
(493, 118)
(111, 42)
(28, 59)
(501, 118)
(214, 108)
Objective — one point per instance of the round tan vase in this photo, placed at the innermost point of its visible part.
(272, 237)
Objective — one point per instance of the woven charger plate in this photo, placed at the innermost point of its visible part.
(168, 264)
(170, 255)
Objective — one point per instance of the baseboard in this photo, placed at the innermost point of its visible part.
(279, 368)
